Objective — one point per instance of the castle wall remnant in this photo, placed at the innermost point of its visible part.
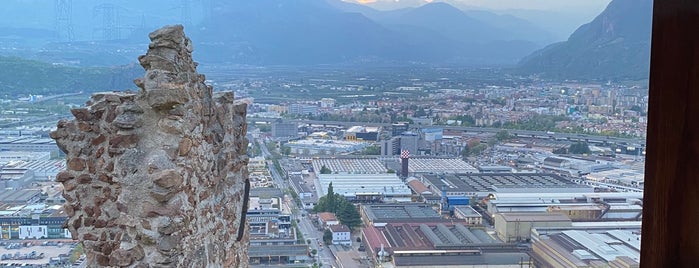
(158, 178)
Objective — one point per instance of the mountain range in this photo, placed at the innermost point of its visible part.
(615, 45)
(318, 32)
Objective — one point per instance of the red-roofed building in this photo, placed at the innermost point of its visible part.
(373, 239)
(326, 219)
(422, 193)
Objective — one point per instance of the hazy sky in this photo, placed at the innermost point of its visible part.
(550, 5)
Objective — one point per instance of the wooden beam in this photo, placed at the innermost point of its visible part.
(670, 236)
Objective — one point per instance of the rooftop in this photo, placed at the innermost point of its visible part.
(21, 196)
(496, 182)
(339, 228)
(350, 185)
(418, 187)
(350, 165)
(425, 237)
(534, 217)
(327, 216)
(385, 212)
(439, 165)
(467, 211)
(266, 192)
(277, 250)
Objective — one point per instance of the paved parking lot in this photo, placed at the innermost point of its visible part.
(49, 252)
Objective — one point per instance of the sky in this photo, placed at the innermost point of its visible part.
(585, 6)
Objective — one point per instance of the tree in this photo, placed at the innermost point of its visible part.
(372, 150)
(466, 152)
(348, 215)
(503, 135)
(325, 170)
(561, 150)
(579, 148)
(314, 251)
(331, 198)
(286, 150)
(344, 210)
(327, 237)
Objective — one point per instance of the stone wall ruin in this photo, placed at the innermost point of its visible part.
(158, 177)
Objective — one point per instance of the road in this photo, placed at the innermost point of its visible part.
(304, 222)
(519, 133)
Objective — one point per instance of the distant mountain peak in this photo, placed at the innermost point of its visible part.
(615, 45)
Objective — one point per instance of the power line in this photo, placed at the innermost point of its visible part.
(64, 19)
(109, 29)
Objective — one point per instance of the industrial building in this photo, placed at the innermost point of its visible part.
(390, 147)
(381, 214)
(603, 206)
(278, 254)
(306, 192)
(366, 187)
(421, 165)
(415, 244)
(399, 128)
(281, 130)
(362, 133)
(406, 141)
(36, 221)
(425, 165)
(325, 146)
(515, 227)
(11, 156)
(480, 185)
(409, 142)
(622, 180)
(43, 170)
(433, 134)
(468, 214)
(350, 165)
(613, 247)
(421, 193)
(29, 144)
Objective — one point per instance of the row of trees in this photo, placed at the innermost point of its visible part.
(345, 211)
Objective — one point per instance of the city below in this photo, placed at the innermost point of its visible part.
(404, 168)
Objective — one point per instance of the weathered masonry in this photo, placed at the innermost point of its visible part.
(158, 177)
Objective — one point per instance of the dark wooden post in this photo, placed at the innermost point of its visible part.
(670, 236)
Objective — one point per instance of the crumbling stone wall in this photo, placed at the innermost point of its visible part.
(158, 178)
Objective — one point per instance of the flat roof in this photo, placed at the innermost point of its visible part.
(350, 185)
(350, 165)
(385, 212)
(604, 246)
(491, 182)
(439, 165)
(20, 196)
(266, 192)
(467, 210)
(277, 250)
(533, 217)
(487, 258)
(418, 187)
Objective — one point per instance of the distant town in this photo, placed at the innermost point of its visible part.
(389, 168)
